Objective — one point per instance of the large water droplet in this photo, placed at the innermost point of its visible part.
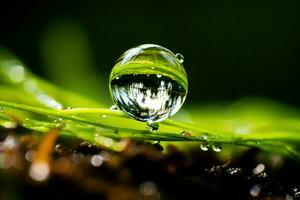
(149, 83)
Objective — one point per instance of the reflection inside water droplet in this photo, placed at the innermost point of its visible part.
(147, 98)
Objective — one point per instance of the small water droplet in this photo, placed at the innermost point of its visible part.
(1, 110)
(180, 57)
(296, 192)
(152, 68)
(58, 120)
(30, 155)
(234, 171)
(117, 77)
(204, 146)
(151, 126)
(205, 137)
(26, 122)
(262, 175)
(158, 75)
(186, 133)
(217, 147)
(58, 148)
(148, 188)
(114, 107)
(104, 116)
(259, 169)
(158, 146)
(108, 142)
(9, 143)
(17, 73)
(97, 160)
(9, 125)
(255, 190)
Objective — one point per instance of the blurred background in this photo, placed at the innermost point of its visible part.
(232, 48)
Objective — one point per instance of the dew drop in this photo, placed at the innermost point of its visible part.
(148, 188)
(108, 142)
(26, 122)
(17, 73)
(205, 137)
(234, 171)
(104, 116)
(30, 155)
(296, 192)
(148, 95)
(97, 160)
(258, 169)
(180, 57)
(217, 147)
(255, 190)
(186, 133)
(158, 146)
(58, 120)
(1, 110)
(39, 170)
(151, 126)
(204, 146)
(114, 107)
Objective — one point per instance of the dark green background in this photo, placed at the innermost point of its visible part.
(231, 48)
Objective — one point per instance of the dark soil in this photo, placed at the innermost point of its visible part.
(142, 171)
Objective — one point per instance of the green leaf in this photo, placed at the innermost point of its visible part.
(32, 102)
